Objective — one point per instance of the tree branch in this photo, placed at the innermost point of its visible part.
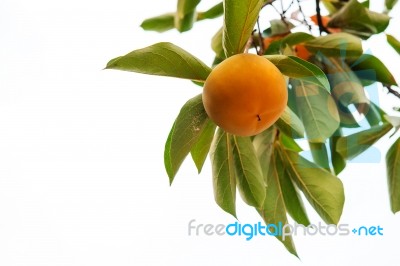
(249, 44)
(392, 91)
(261, 51)
(290, 5)
(319, 18)
(305, 22)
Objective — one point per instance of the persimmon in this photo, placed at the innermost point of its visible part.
(325, 20)
(245, 94)
(302, 52)
(268, 40)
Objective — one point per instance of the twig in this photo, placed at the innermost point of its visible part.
(319, 18)
(304, 16)
(253, 41)
(392, 91)
(261, 51)
(277, 11)
(249, 43)
(290, 5)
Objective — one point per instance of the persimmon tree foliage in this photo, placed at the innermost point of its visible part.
(326, 72)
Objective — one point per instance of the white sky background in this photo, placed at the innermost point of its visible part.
(82, 180)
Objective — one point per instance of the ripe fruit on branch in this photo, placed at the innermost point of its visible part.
(245, 94)
(268, 40)
(302, 52)
(325, 20)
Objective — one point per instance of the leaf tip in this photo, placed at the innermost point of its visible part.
(168, 168)
(233, 213)
(112, 63)
(294, 252)
(170, 173)
(198, 164)
(229, 209)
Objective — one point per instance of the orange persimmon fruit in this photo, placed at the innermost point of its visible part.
(325, 20)
(268, 40)
(245, 94)
(302, 52)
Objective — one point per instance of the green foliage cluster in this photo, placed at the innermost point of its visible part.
(269, 169)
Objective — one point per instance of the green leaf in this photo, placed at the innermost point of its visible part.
(200, 149)
(216, 61)
(371, 68)
(394, 121)
(264, 146)
(290, 124)
(300, 69)
(347, 119)
(163, 59)
(223, 172)
(358, 20)
(213, 12)
(390, 4)
(239, 20)
(160, 23)
(382, 113)
(349, 92)
(338, 162)
(320, 155)
(185, 132)
(317, 110)
(336, 45)
(351, 146)
(186, 22)
(216, 44)
(379, 20)
(346, 87)
(365, 4)
(373, 116)
(278, 27)
(323, 190)
(186, 14)
(274, 48)
(293, 201)
(250, 181)
(274, 208)
(296, 38)
(186, 6)
(393, 42)
(393, 175)
(332, 5)
(292, 95)
(289, 143)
